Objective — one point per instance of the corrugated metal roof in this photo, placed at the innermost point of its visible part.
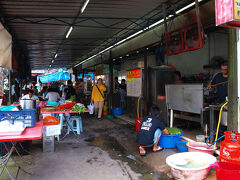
(39, 27)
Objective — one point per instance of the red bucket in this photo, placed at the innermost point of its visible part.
(105, 113)
(138, 123)
(228, 171)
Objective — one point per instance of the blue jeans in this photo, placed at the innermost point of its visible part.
(157, 134)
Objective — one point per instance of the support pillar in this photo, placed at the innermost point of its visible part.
(165, 28)
(83, 73)
(10, 88)
(233, 80)
(145, 84)
(110, 82)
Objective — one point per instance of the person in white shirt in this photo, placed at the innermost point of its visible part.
(30, 95)
(52, 95)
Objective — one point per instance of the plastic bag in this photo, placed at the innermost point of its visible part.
(50, 120)
(65, 106)
(42, 104)
(91, 108)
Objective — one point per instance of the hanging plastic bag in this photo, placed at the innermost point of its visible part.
(91, 108)
(50, 120)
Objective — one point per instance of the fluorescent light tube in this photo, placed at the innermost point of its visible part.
(52, 61)
(69, 32)
(187, 7)
(84, 6)
(135, 34)
(55, 56)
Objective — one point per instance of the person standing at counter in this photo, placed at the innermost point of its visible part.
(52, 95)
(123, 93)
(116, 83)
(79, 88)
(177, 78)
(220, 80)
(30, 95)
(98, 98)
(68, 91)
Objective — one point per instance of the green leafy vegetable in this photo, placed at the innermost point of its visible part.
(79, 109)
(72, 98)
(174, 130)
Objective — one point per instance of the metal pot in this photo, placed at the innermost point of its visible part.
(28, 103)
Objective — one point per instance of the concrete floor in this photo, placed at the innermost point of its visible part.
(101, 152)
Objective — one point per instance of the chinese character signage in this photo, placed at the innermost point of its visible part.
(134, 74)
(227, 13)
(134, 83)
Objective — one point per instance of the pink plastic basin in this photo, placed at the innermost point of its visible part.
(200, 147)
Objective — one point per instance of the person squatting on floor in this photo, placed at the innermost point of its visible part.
(150, 131)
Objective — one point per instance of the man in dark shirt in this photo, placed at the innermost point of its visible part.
(123, 93)
(150, 131)
(221, 77)
(116, 83)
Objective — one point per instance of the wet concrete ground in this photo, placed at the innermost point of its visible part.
(106, 149)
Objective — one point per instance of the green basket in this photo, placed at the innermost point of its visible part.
(108, 117)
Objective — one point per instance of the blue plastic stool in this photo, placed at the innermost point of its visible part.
(77, 126)
(61, 117)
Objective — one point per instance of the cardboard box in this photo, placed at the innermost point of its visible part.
(52, 130)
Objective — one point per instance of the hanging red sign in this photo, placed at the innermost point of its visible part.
(134, 74)
(227, 13)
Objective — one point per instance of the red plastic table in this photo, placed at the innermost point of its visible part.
(61, 112)
(67, 120)
(32, 133)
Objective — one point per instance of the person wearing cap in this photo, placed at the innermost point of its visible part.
(30, 95)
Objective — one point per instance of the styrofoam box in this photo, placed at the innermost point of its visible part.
(52, 130)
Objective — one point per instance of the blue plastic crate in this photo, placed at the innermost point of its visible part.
(26, 115)
(182, 146)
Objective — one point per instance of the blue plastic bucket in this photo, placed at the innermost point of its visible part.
(182, 146)
(169, 141)
(117, 111)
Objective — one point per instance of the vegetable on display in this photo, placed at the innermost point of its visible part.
(174, 130)
(79, 109)
(72, 98)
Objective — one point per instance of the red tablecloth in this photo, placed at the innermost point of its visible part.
(60, 112)
(29, 134)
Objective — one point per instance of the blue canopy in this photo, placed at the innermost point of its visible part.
(55, 77)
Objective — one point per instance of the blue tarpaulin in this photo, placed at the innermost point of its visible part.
(55, 77)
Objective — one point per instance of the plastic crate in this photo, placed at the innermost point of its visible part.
(26, 115)
(182, 146)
